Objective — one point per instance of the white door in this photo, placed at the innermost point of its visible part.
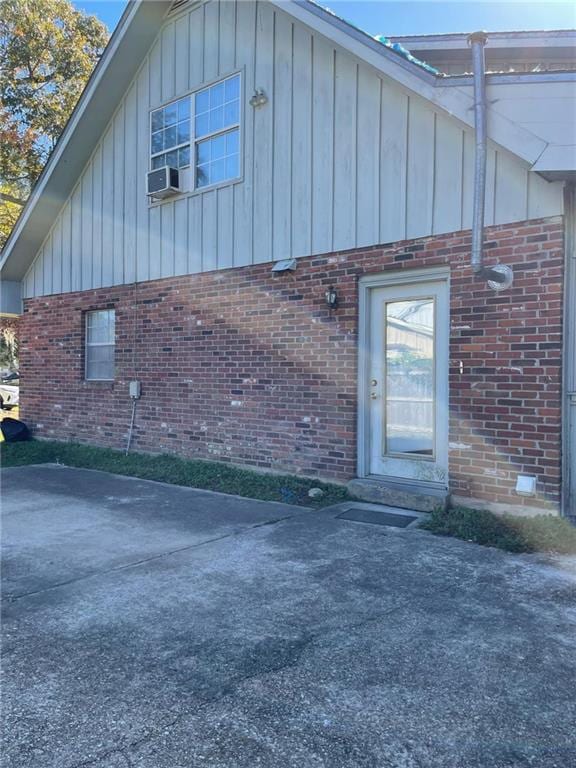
(407, 395)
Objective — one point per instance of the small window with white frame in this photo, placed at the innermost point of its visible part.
(100, 345)
(201, 130)
(170, 135)
(217, 132)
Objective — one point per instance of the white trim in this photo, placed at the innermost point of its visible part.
(404, 276)
(365, 286)
(513, 78)
(568, 494)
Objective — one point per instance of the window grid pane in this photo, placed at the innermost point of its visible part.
(100, 363)
(100, 324)
(217, 159)
(170, 132)
(217, 107)
(100, 345)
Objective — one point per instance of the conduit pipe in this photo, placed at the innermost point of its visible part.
(499, 276)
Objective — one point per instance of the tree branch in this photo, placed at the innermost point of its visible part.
(5, 197)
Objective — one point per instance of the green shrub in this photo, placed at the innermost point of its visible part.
(542, 533)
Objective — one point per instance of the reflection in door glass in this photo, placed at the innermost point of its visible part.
(409, 427)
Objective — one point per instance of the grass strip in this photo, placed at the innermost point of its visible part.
(166, 468)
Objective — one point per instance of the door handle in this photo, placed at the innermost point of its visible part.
(374, 395)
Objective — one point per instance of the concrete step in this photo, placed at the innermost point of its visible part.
(398, 494)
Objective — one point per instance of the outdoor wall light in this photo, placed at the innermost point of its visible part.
(259, 98)
(331, 298)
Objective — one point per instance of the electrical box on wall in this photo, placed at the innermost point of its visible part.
(135, 389)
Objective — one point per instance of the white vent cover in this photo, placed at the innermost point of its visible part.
(526, 485)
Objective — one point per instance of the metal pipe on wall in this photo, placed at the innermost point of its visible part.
(500, 276)
(477, 41)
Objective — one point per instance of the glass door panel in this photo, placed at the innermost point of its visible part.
(410, 380)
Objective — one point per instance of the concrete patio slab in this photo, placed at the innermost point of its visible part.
(155, 626)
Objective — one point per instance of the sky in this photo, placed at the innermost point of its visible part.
(412, 17)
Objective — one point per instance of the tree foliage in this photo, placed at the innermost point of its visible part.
(8, 348)
(48, 50)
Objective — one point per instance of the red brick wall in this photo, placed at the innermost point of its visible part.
(243, 366)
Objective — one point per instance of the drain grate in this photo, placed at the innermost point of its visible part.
(378, 517)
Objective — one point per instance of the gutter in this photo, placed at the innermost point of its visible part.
(510, 78)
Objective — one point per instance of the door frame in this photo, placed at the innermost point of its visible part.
(568, 495)
(366, 285)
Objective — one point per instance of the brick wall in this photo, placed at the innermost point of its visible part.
(243, 366)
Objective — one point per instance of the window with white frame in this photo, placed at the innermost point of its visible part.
(100, 345)
(170, 135)
(217, 132)
(208, 122)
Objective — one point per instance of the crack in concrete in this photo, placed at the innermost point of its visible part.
(104, 756)
(229, 690)
(155, 730)
(151, 558)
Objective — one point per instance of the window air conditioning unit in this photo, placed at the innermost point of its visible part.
(163, 182)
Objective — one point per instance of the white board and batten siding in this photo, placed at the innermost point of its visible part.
(340, 157)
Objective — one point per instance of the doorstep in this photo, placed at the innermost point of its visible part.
(405, 496)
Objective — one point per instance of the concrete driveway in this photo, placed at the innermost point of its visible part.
(154, 626)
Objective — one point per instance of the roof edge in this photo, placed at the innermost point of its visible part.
(311, 6)
(512, 78)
